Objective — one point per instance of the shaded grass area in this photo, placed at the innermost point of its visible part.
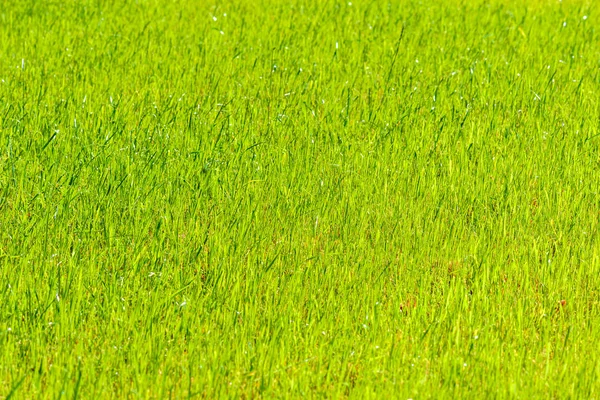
(299, 199)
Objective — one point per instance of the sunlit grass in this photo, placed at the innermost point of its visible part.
(299, 199)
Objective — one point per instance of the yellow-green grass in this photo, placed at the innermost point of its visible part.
(294, 198)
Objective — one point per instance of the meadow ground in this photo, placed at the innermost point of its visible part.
(391, 199)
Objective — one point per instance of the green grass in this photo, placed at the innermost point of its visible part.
(299, 198)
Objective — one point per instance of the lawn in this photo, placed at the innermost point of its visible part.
(299, 199)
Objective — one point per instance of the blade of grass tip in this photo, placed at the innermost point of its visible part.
(383, 271)
(395, 57)
(271, 262)
(427, 331)
(48, 142)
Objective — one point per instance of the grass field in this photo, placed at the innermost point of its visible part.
(299, 198)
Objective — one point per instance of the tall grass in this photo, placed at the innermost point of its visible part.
(299, 199)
